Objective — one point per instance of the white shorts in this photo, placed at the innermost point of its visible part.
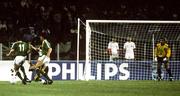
(129, 56)
(19, 59)
(44, 59)
(113, 56)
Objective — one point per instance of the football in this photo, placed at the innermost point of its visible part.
(13, 81)
(43, 81)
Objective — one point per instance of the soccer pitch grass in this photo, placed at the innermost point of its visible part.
(93, 88)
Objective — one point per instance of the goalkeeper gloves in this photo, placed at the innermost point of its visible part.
(165, 59)
(155, 59)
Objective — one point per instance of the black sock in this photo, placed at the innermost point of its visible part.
(46, 76)
(46, 70)
(23, 70)
(169, 72)
(19, 75)
(159, 72)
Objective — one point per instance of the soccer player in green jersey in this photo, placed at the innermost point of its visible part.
(44, 59)
(42, 67)
(21, 50)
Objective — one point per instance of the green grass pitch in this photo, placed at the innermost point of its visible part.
(93, 88)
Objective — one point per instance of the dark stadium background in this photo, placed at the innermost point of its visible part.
(58, 18)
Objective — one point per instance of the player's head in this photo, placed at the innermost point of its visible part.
(36, 41)
(129, 39)
(114, 39)
(27, 38)
(163, 41)
(42, 36)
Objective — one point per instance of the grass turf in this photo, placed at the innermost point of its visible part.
(93, 88)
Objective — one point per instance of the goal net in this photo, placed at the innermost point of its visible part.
(144, 34)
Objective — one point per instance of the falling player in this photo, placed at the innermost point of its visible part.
(113, 49)
(162, 54)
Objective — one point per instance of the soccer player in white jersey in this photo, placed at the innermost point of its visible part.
(113, 49)
(129, 47)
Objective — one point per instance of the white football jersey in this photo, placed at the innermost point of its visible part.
(114, 47)
(129, 47)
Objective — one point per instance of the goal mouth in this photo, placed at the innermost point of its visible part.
(145, 35)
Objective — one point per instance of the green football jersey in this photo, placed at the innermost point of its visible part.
(45, 46)
(21, 48)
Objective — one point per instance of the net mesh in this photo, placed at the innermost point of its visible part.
(144, 34)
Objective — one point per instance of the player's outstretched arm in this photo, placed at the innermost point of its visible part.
(12, 50)
(34, 48)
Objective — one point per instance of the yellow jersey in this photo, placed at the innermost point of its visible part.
(162, 50)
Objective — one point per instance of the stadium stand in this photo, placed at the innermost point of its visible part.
(59, 17)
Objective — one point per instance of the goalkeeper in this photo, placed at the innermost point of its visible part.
(162, 54)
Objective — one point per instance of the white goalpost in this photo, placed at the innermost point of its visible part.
(145, 34)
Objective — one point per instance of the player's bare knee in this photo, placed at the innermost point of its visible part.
(46, 69)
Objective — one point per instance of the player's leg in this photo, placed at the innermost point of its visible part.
(160, 61)
(166, 65)
(39, 64)
(32, 66)
(132, 56)
(45, 69)
(115, 57)
(127, 57)
(40, 73)
(18, 62)
(24, 74)
(16, 68)
(110, 58)
(37, 67)
(46, 61)
(44, 72)
(37, 76)
(23, 70)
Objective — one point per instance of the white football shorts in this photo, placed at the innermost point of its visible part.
(44, 59)
(19, 59)
(129, 56)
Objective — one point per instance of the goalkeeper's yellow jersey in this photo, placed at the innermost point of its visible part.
(162, 50)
